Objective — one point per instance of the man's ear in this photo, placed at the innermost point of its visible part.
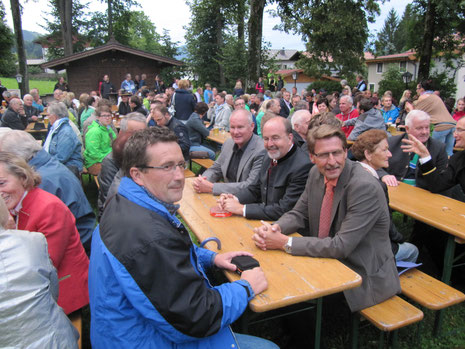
(136, 175)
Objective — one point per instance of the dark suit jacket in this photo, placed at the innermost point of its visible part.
(249, 166)
(284, 112)
(288, 180)
(13, 120)
(359, 234)
(399, 162)
(183, 135)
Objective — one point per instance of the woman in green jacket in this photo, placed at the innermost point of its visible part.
(99, 138)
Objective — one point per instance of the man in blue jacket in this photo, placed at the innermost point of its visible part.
(147, 281)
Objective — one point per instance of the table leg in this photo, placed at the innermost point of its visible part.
(446, 273)
(319, 311)
(448, 259)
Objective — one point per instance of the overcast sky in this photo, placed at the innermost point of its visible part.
(175, 14)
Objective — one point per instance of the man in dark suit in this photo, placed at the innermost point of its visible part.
(348, 219)
(239, 162)
(404, 166)
(162, 117)
(281, 179)
(286, 105)
(14, 117)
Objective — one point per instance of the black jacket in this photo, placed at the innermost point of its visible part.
(399, 162)
(13, 120)
(287, 182)
(106, 88)
(183, 135)
(184, 103)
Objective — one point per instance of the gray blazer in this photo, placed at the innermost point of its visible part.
(249, 166)
(359, 234)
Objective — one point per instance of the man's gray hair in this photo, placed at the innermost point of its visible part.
(6, 94)
(297, 117)
(16, 101)
(14, 94)
(19, 143)
(134, 116)
(416, 114)
(243, 111)
(59, 109)
(27, 95)
(348, 98)
(301, 105)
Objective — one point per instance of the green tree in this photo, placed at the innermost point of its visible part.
(442, 24)
(386, 40)
(392, 81)
(7, 59)
(79, 28)
(17, 24)
(336, 32)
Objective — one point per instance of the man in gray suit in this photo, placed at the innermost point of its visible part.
(353, 228)
(239, 162)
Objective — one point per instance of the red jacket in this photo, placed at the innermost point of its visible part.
(344, 117)
(45, 213)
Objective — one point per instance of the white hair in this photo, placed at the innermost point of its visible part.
(416, 114)
(297, 117)
(19, 143)
(349, 99)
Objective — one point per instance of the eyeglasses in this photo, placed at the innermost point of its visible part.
(105, 116)
(325, 156)
(170, 167)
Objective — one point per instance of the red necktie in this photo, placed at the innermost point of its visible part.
(325, 212)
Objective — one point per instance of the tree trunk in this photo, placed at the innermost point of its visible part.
(16, 14)
(65, 10)
(219, 43)
(240, 20)
(255, 40)
(426, 50)
(110, 21)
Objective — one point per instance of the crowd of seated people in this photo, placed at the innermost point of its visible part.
(287, 157)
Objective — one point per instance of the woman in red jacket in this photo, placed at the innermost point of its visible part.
(36, 210)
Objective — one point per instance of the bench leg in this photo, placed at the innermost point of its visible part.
(381, 340)
(395, 339)
(319, 311)
(355, 317)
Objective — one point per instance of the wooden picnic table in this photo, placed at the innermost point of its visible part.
(439, 211)
(291, 279)
(30, 129)
(219, 138)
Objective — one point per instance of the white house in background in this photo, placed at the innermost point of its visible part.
(407, 61)
(285, 59)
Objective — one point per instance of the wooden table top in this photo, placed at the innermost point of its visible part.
(30, 129)
(436, 210)
(220, 138)
(291, 279)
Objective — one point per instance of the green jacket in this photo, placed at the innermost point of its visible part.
(98, 143)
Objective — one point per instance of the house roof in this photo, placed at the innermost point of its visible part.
(284, 55)
(288, 72)
(59, 63)
(404, 56)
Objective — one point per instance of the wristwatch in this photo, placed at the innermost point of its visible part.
(288, 246)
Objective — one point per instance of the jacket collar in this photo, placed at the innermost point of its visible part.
(138, 195)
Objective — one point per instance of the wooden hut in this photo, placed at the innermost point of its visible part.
(86, 69)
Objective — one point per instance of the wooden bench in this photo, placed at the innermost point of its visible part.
(388, 316)
(76, 320)
(205, 163)
(188, 173)
(429, 292)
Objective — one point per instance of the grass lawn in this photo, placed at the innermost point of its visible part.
(296, 331)
(44, 86)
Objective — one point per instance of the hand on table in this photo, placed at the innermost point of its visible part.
(230, 203)
(414, 145)
(269, 237)
(256, 278)
(34, 118)
(223, 260)
(390, 180)
(202, 185)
